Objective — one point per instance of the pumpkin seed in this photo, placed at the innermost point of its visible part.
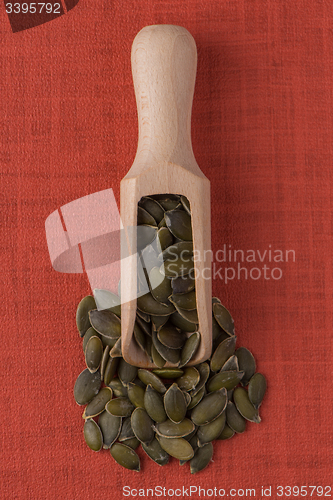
(110, 370)
(93, 435)
(160, 286)
(227, 433)
(164, 237)
(156, 452)
(210, 407)
(234, 419)
(145, 235)
(176, 268)
(136, 395)
(210, 432)
(148, 377)
(142, 316)
(171, 355)
(227, 379)
(154, 405)
(222, 353)
(189, 380)
(182, 284)
(133, 443)
(147, 304)
(82, 317)
(158, 321)
(182, 250)
(168, 372)
(171, 337)
(107, 300)
(139, 336)
(187, 398)
(152, 207)
(169, 429)
(142, 425)
(144, 217)
(193, 440)
(125, 456)
(93, 353)
(180, 322)
(215, 300)
(179, 224)
(167, 201)
(97, 404)
(106, 323)
(176, 447)
(87, 385)
(126, 430)
(191, 316)
(110, 427)
(89, 333)
(190, 347)
(224, 319)
(120, 407)
(244, 405)
(175, 404)
(231, 364)
(202, 458)
(204, 372)
(196, 398)
(126, 372)
(105, 359)
(186, 204)
(246, 363)
(185, 301)
(163, 224)
(157, 358)
(257, 389)
(116, 349)
(117, 387)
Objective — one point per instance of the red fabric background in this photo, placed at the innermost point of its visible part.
(262, 133)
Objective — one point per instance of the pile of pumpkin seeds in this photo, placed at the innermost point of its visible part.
(167, 312)
(171, 412)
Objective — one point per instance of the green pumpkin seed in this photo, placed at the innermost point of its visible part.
(136, 395)
(93, 435)
(175, 404)
(190, 347)
(97, 404)
(181, 323)
(142, 425)
(246, 363)
(176, 268)
(231, 364)
(110, 370)
(142, 319)
(160, 286)
(89, 333)
(227, 433)
(120, 407)
(152, 207)
(107, 300)
(157, 358)
(169, 429)
(116, 349)
(87, 385)
(193, 440)
(149, 305)
(133, 443)
(125, 456)
(189, 380)
(148, 377)
(105, 359)
(210, 432)
(234, 419)
(163, 238)
(191, 316)
(149, 344)
(110, 427)
(156, 452)
(168, 372)
(171, 337)
(244, 405)
(139, 336)
(224, 319)
(179, 224)
(204, 372)
(126, 430)
(82, 316)
(93, 353)
(185, 301)
(106, 323)
(222, 353)
(196, 398)
(117, 387)
(158, 321)
(182, 250)
(216, 329)
(144, 217)
(146, 234)
(163, 224)
(210, 407)
(227, 379)
(257, 389)
(171, 355)
(186, 204)
(154, 405)
(215, 300)
(126, 372)
(167, 201)
(183, 284)
(187, 398)
(176, 447)
(202, 458)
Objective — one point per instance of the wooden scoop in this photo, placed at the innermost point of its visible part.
(164, 60)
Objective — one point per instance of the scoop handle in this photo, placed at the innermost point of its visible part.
(164, 63)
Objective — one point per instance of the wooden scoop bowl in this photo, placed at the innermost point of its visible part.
(164, 60)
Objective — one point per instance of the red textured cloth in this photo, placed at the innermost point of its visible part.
(262, 133)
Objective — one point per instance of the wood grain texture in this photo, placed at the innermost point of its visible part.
(164, 60)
